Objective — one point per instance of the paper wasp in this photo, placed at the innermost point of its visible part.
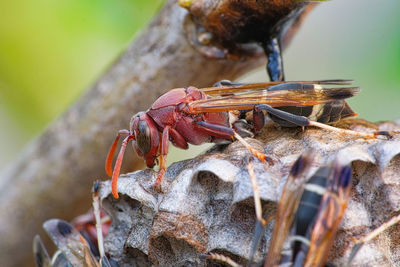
(79, 243)
(320, 208)
(195, 116)
(308, 215)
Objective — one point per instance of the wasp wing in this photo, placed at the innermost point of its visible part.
(59, 260)
(246, 96)
(287, 206)
(331, 211)
(228, 88)
(42, 258)
(70, 242)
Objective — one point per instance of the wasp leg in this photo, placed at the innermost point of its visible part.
(350, 132)
(303, 121)
(163, 165)
(228, 133)
(359, 243)
(216, 130)
(261, 156)
(272, 49)
(261, 223)
(242, 128)
(221, 258)
(178, 140)
(223, 83)
(96, 211)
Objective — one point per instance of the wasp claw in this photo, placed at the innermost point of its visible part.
(270, 161)
(157, 187)
(157, 183)
(383, 133)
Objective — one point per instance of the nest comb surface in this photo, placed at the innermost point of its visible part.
(207, 202)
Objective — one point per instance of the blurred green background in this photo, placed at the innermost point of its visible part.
(51, 51)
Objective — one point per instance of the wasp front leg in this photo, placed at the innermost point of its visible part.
(272, 50)
(178, 141)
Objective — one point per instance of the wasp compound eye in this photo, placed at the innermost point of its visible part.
(143, 139)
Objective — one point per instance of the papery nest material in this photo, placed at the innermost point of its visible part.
(207, 206)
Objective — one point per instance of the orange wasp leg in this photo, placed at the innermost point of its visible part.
(163, 155)
(226, 132)
(178, 140)
(111, 152)
(117, 166)
(261, 156)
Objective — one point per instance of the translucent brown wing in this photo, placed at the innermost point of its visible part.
(41, 256)
(331, 211)
(287, 206)
(234, 87)
(70, 242)
(246, 96)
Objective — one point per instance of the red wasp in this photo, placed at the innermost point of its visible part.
(195, 116)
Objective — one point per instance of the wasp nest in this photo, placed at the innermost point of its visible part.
(207, 202)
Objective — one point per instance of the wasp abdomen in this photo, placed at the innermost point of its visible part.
(325, 113)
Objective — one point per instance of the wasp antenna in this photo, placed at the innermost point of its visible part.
(111, 152)
(256, 239)
(260, 224)
(117, 166)
(96, 212)
(354, 252)
(42, 258)
(110, 156)
(104, 262)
